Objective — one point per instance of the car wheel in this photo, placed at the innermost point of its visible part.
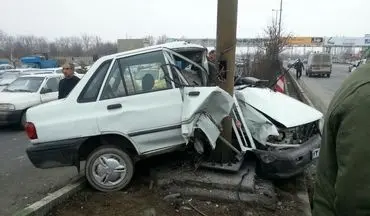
(23, 120)
(328, 75)
(109, 168)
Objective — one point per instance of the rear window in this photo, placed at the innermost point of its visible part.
(325, 58)
(320, 58)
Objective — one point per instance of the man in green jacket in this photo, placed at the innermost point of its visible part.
(343, 172)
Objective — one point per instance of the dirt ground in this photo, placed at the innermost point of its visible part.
(139, 200)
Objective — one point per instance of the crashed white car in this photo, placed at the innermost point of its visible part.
(113, 121)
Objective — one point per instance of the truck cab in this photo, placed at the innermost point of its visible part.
(38, 62)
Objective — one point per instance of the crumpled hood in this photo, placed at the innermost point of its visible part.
(204, 108)
(280, 107)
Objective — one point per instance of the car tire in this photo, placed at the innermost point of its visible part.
(109, 168)
(328, 75)
(23, 121)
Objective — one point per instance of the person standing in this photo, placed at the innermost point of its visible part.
(343, 173)
(298, 66)
(69, 82)
(212, 56)
(213, 72)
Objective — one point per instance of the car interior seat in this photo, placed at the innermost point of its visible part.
(147, 82)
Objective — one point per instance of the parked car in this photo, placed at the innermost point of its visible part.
(25, 92)
(10, 75)
(354, 65)
(319, 64)
(4, 67)
(182, 114)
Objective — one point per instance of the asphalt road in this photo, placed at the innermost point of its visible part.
(21, 183)
(322, 89)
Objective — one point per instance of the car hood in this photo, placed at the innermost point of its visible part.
(284, 109)
(21, 100)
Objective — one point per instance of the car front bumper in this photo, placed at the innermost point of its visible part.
(10, 117)
(55, 154)
(287, 163)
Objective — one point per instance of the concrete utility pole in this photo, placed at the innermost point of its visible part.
(281, 11)
(227, 13)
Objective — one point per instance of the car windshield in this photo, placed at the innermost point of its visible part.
(25, 84)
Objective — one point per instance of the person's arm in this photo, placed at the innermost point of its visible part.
(60, 89)
(352, 186)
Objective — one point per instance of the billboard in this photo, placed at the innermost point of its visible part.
(347, 41)
(305, 41)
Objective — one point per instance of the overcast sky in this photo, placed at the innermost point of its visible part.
(113, 19)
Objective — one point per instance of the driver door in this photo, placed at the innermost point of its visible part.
(50, 86)
(148, 115)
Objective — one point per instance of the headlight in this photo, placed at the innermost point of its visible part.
(268, 158)
(7, 107)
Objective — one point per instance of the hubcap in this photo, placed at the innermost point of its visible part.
(109, 170)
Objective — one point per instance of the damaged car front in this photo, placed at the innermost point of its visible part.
(285, 131)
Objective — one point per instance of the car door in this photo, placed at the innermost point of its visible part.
(49, 90)
(135, 106)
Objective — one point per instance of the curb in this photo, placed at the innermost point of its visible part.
(43, 206)
(302, 195)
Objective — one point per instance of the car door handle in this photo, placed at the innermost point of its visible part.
(114, 106)
(194, 93)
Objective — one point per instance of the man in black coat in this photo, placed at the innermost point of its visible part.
(69, 82)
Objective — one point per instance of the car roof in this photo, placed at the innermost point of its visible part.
(172, 45)
(42, 75)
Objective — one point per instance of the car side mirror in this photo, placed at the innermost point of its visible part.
(45, 91)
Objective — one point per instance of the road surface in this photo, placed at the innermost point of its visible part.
(21, 183)
(321, 89)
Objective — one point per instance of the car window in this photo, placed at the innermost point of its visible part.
(143, 73)
(114, 86)
(53, 84)
(191, 72)
(91, 90)
(25, 84)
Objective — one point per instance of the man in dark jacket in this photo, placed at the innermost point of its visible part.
(69, 82)
(298, 66)
(343, 173)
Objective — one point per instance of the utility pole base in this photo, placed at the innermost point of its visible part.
(229, 166)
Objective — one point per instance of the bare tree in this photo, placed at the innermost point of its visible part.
(266, 61)
(22, 45)
(87, 41)
(150, 40)
(162, 39)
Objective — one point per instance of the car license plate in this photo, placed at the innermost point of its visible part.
(315, 153)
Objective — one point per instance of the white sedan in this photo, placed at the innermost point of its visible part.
(25, 92)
